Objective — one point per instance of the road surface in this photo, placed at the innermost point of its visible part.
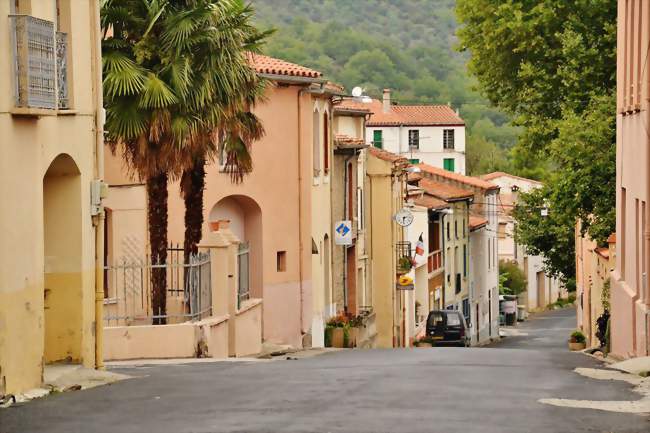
(447, 390)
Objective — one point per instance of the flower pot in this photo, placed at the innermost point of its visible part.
(576, 346)
(337, 337)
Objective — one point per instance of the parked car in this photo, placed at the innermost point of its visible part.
(447, 327)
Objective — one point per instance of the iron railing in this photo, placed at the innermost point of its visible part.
(40, 61)
(63, 101)
(243, 264)
(188, 290)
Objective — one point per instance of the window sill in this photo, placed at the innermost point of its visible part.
(39, 112)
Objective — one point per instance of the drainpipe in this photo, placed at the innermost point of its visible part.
(345, 248)
(99, 171)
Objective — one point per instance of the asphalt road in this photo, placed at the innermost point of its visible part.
(418, 390)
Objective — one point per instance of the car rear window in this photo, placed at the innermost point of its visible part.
(453, 319)
(435, 319)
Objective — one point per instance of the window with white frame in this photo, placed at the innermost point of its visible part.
(414, 139)
(448, 138)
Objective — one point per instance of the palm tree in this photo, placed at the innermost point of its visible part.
(172, 71)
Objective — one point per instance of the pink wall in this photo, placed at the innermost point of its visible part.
(275, 186)
(630, 294)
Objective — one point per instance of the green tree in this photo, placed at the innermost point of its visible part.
(551, 64)
(511, 277)
(170, 69)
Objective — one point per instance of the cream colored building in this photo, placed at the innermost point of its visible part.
(50, 159)
(386, 191)
(541, 289)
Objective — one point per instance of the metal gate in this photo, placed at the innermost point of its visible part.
(243, 268)
(128, 292)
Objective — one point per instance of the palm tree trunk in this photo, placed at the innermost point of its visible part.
(157, 219)
(193, 182)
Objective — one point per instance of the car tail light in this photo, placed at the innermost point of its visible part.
(462, 331)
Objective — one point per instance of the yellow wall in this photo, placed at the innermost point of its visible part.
(385, 195)
(61, 257)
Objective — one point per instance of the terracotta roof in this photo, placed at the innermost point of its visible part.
(346, 140)
(602, 252)
(425, 200)
(269, 65)
(444, 191)
(412, 115)
(611, 239)
(352, 105)
(385, 155)
(498, 174)
(467, 180)
(476, 222)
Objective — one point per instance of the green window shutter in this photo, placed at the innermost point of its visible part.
(377, 139)
(414, 161)
(449, 164)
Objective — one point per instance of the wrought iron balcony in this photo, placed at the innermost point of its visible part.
(40, 64)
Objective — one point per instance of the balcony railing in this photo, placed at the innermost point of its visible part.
(434, 261)
(40, 61)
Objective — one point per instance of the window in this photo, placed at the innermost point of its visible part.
(452, 318)
(316, 143)
(326, 143)
(360, 206)
(449, 164)
(448, 235)
(448, 139)
(464, 227)
(282, 261)
(377, 139)
(466, 311)
(456, 229)
(414, 161)
(489, 254)
(414, 139)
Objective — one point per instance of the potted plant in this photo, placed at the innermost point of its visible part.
(577, 341)
(337, 331)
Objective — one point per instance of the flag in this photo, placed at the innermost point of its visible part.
(419, 247)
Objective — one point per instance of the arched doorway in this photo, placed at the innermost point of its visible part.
(245, 217)
(63, 293)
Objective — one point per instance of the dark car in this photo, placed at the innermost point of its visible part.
(447, 327)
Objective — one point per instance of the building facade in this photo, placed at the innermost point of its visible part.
(541, 289)
(280, 212)
(50, 169)
(431, 134)
(630, 329)
(483, 260)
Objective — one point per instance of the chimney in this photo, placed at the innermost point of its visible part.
(386, 100)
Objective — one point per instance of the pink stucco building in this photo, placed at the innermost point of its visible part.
(630, 302)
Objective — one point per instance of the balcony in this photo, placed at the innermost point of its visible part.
(434, 262)
(40, 64)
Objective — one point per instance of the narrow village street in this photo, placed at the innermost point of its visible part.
(416, 390)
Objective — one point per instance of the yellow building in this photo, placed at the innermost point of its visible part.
(50, 119)
(386, 190)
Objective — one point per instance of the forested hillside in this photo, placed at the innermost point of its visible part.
(407, 45)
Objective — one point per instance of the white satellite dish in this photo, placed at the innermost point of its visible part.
(357, 92)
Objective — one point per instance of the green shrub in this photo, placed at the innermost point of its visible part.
(512, 279)
(578, 337)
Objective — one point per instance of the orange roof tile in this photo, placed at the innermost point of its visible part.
(420, 115)
(497, 174)
(385, 155)
(467, 180)
(352, 105)
(444, 191)
(269, 65)
(476, 222)
(430, 202)
(346, 140)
